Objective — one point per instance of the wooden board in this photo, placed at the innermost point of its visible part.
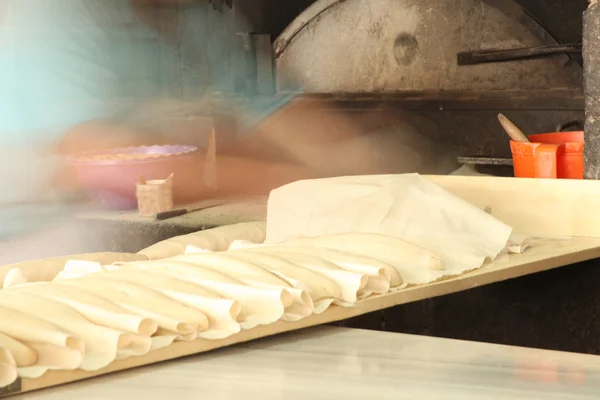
(534, 206)
(563, 215)
(546, 253)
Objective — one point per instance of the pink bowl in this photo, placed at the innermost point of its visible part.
(109, 177)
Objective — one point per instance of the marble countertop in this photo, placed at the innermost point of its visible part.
(336, 363)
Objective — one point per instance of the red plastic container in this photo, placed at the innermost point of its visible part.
(550, 156)
(110, 177)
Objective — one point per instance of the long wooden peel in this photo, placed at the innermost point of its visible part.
(513, 131)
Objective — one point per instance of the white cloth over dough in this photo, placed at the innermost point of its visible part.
(409, 206)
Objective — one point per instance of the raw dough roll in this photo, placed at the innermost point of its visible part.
(260, 306)
(350, 282)
(55, 348)
(163, 336)
(51, 357)
(24, 355)
(14, 277)
(414, 263)
(216, 239)
(322, 289)
(101, 344)
(253, 275)
(222, 313)
(8, 368)
(301, 308)
(79, 268)
(94, 308)
(245, 271)
(169, 314)
(380, 275)
(178, 266)
(45, 270)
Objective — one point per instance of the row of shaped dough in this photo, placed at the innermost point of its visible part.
(92, 314)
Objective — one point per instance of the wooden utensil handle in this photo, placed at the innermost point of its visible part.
(512, 130)
(162, 216)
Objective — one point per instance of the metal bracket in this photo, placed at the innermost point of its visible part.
(485, 161)
(495, 55)
(12, 389)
